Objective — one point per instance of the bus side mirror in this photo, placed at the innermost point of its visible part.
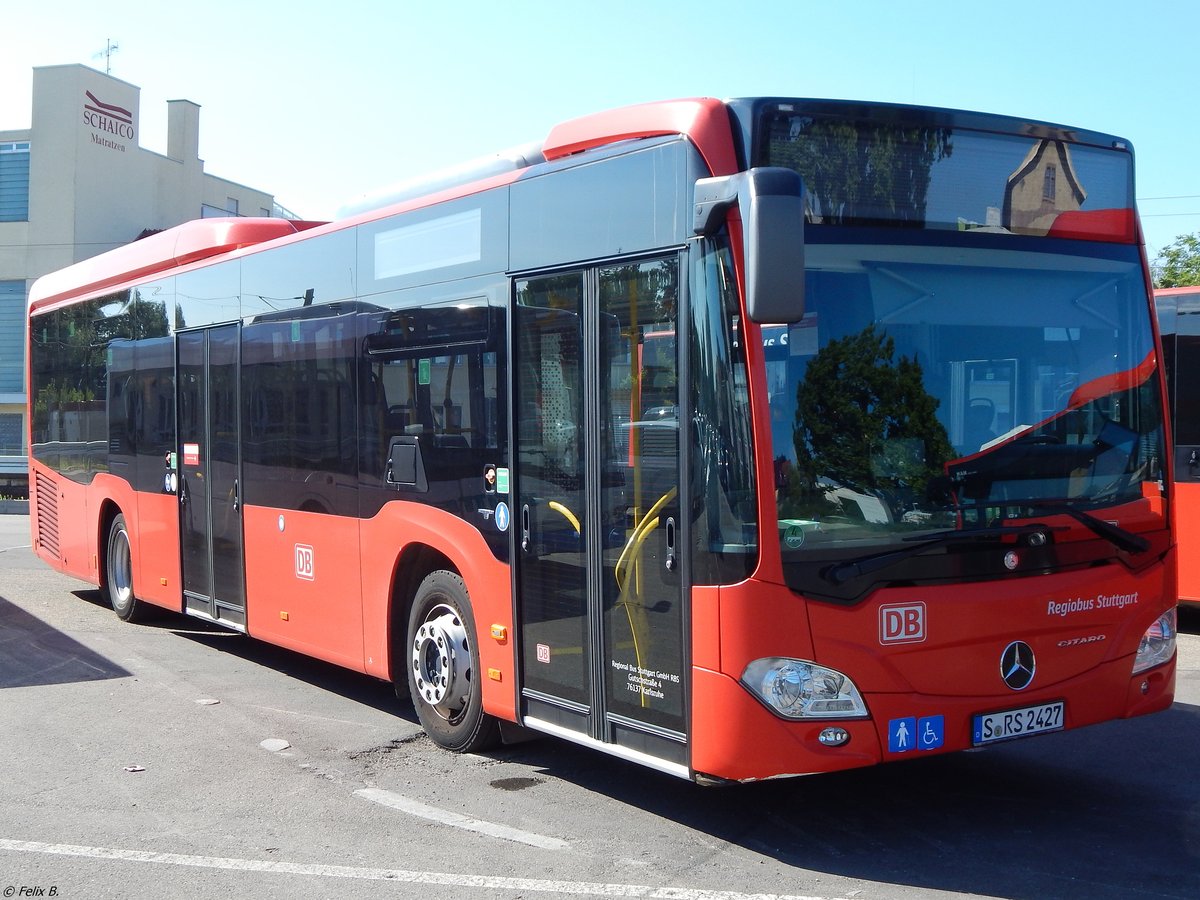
(771, 204)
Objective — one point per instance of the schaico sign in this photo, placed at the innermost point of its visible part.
(109, 123)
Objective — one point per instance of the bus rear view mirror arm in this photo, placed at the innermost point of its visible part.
(771, 204)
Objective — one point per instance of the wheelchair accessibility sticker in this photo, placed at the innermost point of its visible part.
(911, 733)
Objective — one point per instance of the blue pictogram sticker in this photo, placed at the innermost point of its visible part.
(902, 735)
(931, 732)
(502, 516)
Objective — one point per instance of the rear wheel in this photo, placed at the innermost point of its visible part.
(443, 666)
(118, 573)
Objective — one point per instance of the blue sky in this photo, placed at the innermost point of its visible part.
(319, 103)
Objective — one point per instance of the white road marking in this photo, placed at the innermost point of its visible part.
(304, 715)
(481, 882)
(456, 820)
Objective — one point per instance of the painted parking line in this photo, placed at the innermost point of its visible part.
(444, 879)
(457, 820)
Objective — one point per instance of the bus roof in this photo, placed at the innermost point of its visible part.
(178, 246)
(708, 123)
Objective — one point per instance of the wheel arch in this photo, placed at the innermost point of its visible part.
(416, 539)
(415, 562)
(109, 510)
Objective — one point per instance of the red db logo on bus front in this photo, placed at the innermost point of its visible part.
(902, 623)
(304, 562)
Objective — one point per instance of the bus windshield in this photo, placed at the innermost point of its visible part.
(954, 387)
(906, 168)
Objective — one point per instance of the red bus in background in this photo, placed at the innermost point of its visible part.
(740, 439)
(1179, 325)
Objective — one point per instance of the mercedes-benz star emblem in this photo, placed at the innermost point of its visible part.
(1017, 665)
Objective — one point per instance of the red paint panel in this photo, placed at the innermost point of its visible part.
(1187, 521)
(400, 525)
(758, 620)
(152, 521)
(156, 551)
(949, 666)
(1101, 695)
(703, 120)
(1111, 384)
(332, 579)
(189, 242)
(303, 588)
(76, 543)
(706, 627)
(153, 524)
(1075, 622)
(1118, 226)
(736, 737)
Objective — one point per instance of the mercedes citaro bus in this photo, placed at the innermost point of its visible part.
(741, 439)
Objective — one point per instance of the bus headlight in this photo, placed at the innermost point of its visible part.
(1158, 643)
(796, 689)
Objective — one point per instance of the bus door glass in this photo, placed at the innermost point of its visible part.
(209, 488)
(1185, 356)
(597, 513)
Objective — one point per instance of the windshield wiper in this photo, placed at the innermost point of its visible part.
(1114, 534)
(853, 568)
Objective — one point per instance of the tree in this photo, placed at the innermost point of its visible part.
(1179, 263)
(861, 172)
(865, 420)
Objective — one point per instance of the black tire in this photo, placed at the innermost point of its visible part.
(442, 665)
(118, 573)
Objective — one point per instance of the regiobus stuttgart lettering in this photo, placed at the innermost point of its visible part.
(1065, 608)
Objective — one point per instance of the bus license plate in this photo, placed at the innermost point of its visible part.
(1015, 723)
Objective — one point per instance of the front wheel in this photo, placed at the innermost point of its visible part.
(443, 666)
(118, 573)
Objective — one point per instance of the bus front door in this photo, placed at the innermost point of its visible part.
(596, 520)
(209, 484)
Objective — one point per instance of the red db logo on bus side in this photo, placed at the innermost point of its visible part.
(304, 562)
(902, 623)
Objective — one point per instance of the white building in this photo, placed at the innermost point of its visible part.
(77, 183)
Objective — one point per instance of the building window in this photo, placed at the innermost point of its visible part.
(12, 441)
(208, 211)
(12, 336)
(1048, 183)
(14, 181)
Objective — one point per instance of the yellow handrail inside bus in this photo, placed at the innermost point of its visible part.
(646, 526)
(629, 558)
(636, 540)
(566, 514)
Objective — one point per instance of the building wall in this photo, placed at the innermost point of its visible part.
(92, 187)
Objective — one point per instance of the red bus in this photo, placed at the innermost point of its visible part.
(740, 438)
(1179, 326)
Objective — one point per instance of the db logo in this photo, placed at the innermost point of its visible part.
(902, 623)
(304, 562)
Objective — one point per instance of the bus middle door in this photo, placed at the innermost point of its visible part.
(209, 465)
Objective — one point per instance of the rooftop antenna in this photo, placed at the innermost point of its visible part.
(110, 47)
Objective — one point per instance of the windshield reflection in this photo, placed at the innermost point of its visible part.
(940, 388)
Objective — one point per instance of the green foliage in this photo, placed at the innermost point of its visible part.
(864, 418)
(858, 172)
(1179, 263)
